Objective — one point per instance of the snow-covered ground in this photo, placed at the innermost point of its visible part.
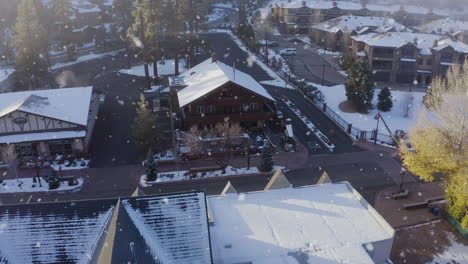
(277, 83)
(217, 14)
(455, 253)
(327, 52)
(79, 166)
(84, 58)
(224, 5)
(5, 72)
(164, 68)
(395, 118)
(179, 176)
(25, 185)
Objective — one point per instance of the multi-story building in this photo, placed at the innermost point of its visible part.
(213, 92)
(296, 16)
(335, 34)
(447, 26)
(408, 57)
(48, 122)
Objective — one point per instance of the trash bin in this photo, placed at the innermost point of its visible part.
(435, 211)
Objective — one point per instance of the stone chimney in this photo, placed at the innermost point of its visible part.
(415, 41)
(335, 4)
(435, 43)
(304, 4)
(213, 57)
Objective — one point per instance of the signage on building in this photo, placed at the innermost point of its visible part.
(21, 120)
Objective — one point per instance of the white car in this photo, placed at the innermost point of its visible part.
(288, 52)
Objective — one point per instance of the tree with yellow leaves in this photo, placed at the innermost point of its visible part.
(439, 140)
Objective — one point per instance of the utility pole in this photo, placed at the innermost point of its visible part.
(323, 73)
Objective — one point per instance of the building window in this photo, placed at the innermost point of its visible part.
(407, 53)
(210, 109)
(446, 57)
(26, 150)
(60, 147)
(244, 108)
(420, 61)
(200, 109)
(429, 62)
(253, 107)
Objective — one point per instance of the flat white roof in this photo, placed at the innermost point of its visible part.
(208, 76)
(330, 223)
(67, 104)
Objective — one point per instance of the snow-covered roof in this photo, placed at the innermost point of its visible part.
(424, 42)
(328, 223)
(29, 137)
(443, 26)
(174, 227)
(67, 104)
(85, 6)
(208, 76)
(352, 5)
(349, 24)
(61, 233)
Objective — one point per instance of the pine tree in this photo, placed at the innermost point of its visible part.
(30, 43)
(145, 132)
(151, 169)
(385, 103)
(360, 87)
(266, 164)
(123, 19)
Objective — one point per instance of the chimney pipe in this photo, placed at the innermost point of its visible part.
(213, 57)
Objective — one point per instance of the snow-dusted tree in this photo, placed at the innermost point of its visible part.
(217, 142)
(8, 156)
(439, 140)
(266, 164)
(360, 87)
(145, 132)
(151, 166)
(30, 43)
(385, 100)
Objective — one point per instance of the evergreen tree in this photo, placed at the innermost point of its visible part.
(385, 100)
(30, 43)
(267, 162)
(151, 168)
(360, 87)
(123, 19)
(145, 132)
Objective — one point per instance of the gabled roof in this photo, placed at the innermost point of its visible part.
(67, 104)
(424, 42)
(174, 227)
(59, 233)
(350, 23)
(208, 76)
(442, 26)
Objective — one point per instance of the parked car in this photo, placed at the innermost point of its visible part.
(295, 40)
(288, 52)
(273, 44)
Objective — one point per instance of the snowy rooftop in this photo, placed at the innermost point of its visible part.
(174, 227)
(443, 26)
(350, 5)
(356, 23)
(328, 223)
(52, 233)
(208, 76)
(424, 42)
(67, 104)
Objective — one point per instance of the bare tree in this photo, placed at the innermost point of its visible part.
(218, 142)
(8, 156)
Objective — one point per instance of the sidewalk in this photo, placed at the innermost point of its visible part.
(398, 217)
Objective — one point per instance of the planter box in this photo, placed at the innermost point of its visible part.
(456, 224)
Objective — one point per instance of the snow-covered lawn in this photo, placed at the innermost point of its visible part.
(85, 58)
(395, 118)
(184, 175)
(5, 72)
(164, 68)
(25, 185)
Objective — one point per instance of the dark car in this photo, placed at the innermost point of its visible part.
(273, 44)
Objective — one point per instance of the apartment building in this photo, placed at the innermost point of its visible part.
(447, 26)
(335, 34)
(408, 57)
(296, 16)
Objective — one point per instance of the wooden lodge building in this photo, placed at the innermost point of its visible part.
(213, 92)
(48, 122)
